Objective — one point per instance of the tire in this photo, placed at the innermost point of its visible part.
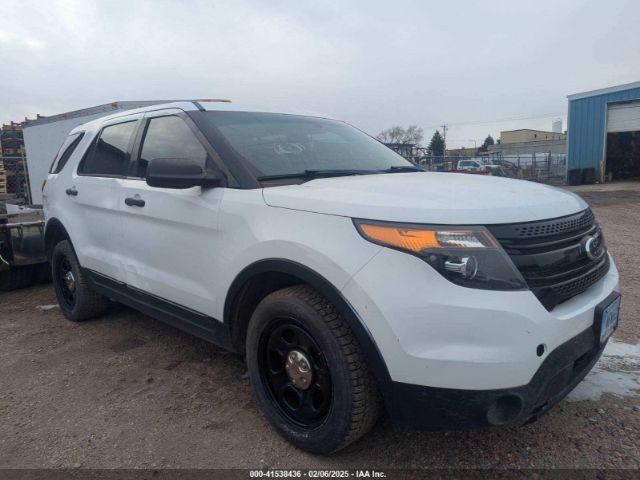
(334, 406)
(77, 299)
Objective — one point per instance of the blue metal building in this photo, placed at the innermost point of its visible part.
(603, 139)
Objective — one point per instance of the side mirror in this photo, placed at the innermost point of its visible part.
(182, 173)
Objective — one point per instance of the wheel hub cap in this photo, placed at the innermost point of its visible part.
(70, 281)
(299, 369)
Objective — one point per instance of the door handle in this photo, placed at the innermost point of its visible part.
(134, 202)
(71, 192)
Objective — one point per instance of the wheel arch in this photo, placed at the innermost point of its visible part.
(259, 279)
(54, 233)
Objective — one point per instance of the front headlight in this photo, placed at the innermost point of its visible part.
(467, 256)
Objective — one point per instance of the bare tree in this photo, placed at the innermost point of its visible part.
(391, 135)
(413, 134)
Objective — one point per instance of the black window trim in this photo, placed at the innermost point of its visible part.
(212, 154)
(73, 146)
(115, 121)
(237, 167)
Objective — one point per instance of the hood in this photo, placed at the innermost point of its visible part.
(428, 197)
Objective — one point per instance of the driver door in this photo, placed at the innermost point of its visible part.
(170, 235)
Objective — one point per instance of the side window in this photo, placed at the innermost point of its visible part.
(67, 148)
(110, 153)
(169, 137)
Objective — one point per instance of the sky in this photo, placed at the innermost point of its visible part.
(480, 67)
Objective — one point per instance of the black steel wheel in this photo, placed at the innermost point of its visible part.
(76, 297)
(66, 280)
(308, 372)
(296, 372)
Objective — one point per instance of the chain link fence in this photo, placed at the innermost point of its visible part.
(539, 167)
(14, 179)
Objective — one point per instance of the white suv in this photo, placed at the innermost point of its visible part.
(476, 166)
(470, 166)
(351, 280)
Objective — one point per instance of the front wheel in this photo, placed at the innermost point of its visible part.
(308, 372)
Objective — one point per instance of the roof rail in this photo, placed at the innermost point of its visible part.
(201, 108)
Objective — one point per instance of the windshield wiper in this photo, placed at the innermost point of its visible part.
(402, 168)
(338, 172)
(311, 174)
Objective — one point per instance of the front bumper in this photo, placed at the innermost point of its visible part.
(434, 333)
(444, 408)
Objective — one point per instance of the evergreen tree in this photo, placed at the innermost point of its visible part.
(487, 141)
(436, 145)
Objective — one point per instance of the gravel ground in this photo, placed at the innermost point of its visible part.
(128, 391)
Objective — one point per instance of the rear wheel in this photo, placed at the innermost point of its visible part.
(77, 299)
(308, 371)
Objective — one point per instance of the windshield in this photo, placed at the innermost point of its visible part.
(278, 144)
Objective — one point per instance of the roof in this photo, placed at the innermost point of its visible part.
(132, 107)
(604, 91)
(531, 130)
(461, 148)
(104, 108)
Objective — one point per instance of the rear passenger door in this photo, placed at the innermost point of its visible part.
(171, 235)
(93, 195)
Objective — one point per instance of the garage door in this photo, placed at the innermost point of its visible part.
(623, 117)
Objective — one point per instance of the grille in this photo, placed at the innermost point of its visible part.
(542, 229)
(551, 256)
(581, 284)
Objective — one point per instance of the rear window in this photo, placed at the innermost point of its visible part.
(67, 148)
(110, 154)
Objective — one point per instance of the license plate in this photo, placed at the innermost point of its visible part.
(609, 319)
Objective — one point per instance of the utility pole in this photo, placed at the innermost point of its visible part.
(444, 139)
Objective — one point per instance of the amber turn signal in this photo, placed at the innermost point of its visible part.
(418, 240)
(406, 239)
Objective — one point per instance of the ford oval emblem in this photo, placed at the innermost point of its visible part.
(592, 246)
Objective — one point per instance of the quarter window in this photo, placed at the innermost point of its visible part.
(110, 153)
(169, 137)
(67, 148)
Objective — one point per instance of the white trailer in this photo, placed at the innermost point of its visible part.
(44, 136)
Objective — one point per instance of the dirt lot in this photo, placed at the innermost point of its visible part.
(128, 391)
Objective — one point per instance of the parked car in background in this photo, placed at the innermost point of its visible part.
(489, 164)
(351, 280)
(476, 165)
(470, 166)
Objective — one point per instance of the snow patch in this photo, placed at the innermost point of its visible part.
(617, 373)
(44, 308)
